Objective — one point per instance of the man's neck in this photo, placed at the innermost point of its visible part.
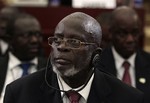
(79, 79)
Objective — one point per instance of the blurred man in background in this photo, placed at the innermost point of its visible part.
(124, 59)
(25, 43)
(6, 14)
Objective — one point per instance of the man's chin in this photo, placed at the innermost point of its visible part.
(127, 54)
(33, 54)
(65, 72)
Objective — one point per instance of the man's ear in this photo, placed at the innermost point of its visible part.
(96, 55)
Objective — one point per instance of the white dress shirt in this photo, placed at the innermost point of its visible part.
(120, 70)
(14, 71)
(84, 92)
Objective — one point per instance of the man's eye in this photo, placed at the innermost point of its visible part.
(135, 32)
(25, 35)
(37, 34)
(73, 41)
(121, 33)
(57, 40)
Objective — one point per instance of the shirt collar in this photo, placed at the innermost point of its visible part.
(4, 46)
(119, 59)
(84, 92)
(14, 61)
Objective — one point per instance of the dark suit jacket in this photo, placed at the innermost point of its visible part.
(142, 68)
(4, 65)
(104, 89)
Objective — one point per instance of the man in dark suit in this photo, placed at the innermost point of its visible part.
(25, 43)
(70, 76)
(125, 31)
(6, 14)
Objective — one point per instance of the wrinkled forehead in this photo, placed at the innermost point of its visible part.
(76, 24)
(82, 24)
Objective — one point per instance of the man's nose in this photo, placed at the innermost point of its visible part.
(35, 38)
(130, 37)
(62, 46)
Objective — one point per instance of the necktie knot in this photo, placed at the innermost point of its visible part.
(126, 65)
(25, 67)
(73, 96)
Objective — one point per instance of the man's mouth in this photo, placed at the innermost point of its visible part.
(34, 49)
(62, 61)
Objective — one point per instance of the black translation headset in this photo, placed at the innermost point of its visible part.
(95, 56)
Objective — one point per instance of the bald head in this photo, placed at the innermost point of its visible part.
(75, 43)
(125, 30)
(124, 13)
(8, 12)
(82, 22)
(6, 15)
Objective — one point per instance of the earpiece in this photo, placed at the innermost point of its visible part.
(95, 58)
(96, 55)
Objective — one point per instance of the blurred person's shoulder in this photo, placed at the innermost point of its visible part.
(117, 87)
(143, 53)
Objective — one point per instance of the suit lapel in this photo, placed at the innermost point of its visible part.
(3, 70)
(99, 89)
(108, 61)
(142, 70)
(41, 62)
(111, 62)
(98, 93)
(50, 95)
